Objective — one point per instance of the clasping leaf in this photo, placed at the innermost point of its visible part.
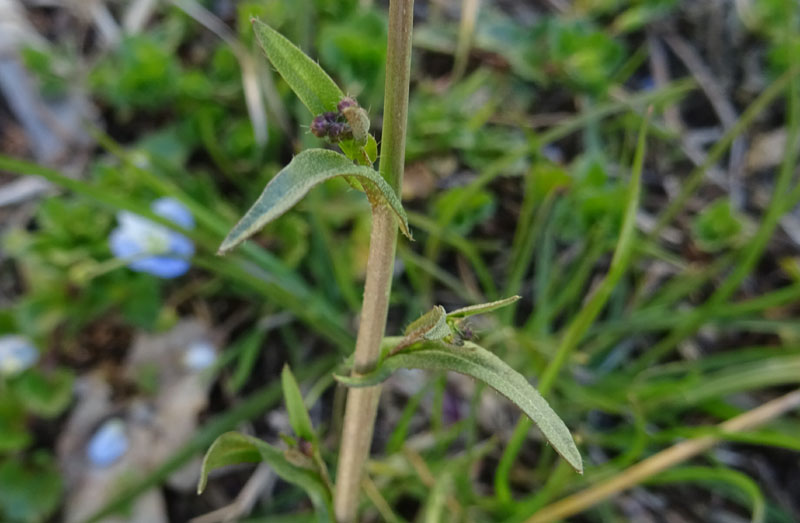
(307, 169)
(473, 360)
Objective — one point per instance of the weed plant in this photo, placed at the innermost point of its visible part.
(653, 353)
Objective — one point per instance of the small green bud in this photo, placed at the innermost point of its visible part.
(359, 122)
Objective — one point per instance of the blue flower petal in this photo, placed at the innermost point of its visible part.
(180, 245)
(174, 211)
(17, 354)
(151, 247)
(122, 245)
(199, 356)
(108, 443)
(161, 266)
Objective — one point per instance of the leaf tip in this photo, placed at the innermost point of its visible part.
(203, 480)
(573, 458)
(227, 244)
(405, 229)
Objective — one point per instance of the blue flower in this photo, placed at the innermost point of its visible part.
(17, 354)
(199, 356)
(108, 443)
(152, 247)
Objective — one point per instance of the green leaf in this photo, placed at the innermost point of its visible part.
(30, 490)
(365, 155)
(473, 360)
(371, 149)
(14, 433)
(718, 226)
(439, 331)
(318, 92)
(306, 78)
(482, 308)
(248, 350)
(298, 415)
(306, 170)
(45, 394)
(431, 326)
(233, 448)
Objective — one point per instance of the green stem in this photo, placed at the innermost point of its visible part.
(362, 403)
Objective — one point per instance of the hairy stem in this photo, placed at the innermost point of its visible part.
(362, 404)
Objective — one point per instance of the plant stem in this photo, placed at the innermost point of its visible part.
(362, 403)
(663, 460)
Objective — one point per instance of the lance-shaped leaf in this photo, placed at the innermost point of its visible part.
(233, 448)
(310, 83)
(473, 360)
(307, 169)
(482, 308)
(305, 77)
(298, 415)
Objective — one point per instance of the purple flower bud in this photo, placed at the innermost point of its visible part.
(319, 127)
(339, 131)
(345, 103)
(331, 116)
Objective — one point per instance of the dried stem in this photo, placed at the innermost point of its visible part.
(362, 403)
(665, 459)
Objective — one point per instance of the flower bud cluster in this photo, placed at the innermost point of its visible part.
(331, 125)
(338, 125)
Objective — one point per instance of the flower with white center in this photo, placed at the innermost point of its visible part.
(108, 443)
(152, 247)
(199, 356)
(17, 353)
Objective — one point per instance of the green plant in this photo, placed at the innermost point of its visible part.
(520, 154)
(438, 340)
(30, 485)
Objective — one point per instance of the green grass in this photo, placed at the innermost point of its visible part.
(637, 341)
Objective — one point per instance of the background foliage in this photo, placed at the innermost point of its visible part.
(517, 174)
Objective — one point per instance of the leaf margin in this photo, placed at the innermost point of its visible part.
(338, 165)
(254, 450)
(440, 356)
